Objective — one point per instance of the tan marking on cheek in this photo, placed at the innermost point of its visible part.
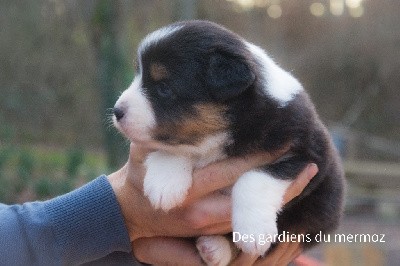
(158, 71)
(209, 119)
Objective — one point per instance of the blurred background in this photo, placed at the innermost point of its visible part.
(64, 63)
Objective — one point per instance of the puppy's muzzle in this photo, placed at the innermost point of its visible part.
(118, 113)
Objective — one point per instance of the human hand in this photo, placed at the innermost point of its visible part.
(162, 250)
(205, 210)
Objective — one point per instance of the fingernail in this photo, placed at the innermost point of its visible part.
(312, 170)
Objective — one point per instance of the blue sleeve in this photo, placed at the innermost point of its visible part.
(82, 226)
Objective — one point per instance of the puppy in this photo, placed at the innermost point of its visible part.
(203, 93)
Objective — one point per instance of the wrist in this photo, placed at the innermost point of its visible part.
(127, 198)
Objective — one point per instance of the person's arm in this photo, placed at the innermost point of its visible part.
(96, 221)
(72, 229)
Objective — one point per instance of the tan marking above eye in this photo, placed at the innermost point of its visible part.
(158, 71)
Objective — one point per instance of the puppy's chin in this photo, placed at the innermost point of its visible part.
(141, 139)
(139, 136)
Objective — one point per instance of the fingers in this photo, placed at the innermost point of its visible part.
(135, 165)
(213, 209)
(217, 229)
(291, 255)
(283, 254)
(138, 153)
(224, 173)
(244, 259)
(213, 177)
(180, 251)
(166, 251)
(211, 214)
(300, 182)
(303, 260)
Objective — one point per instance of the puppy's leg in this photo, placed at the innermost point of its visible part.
(167, 180)
(257, 197)
(216, 250)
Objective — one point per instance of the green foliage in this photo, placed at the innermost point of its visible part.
(103, 11)
(113, 71)
(31, 173)
(5, 155)
(46, 187)
(75, 159)
(6, 131)
(26, 163)
(43, 187)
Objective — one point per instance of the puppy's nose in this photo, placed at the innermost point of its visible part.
(118, 113)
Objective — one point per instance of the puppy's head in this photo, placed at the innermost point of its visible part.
(188, 75)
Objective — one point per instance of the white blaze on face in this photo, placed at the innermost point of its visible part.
(139, 116)
(279, 84)
(156, 36)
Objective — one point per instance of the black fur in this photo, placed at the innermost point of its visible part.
(227, 76)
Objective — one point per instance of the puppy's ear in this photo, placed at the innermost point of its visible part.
(228, 76)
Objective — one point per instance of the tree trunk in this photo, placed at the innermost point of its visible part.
(112, 72)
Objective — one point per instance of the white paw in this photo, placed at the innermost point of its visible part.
(259, 235)
(167, 180)
(214, 250)
(253, 216)
(257, 197)
(165, 196)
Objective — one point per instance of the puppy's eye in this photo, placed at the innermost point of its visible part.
(164, 90)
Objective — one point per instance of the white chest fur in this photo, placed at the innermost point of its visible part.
(169, 170)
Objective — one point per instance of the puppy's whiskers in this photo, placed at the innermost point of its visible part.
(108, 119)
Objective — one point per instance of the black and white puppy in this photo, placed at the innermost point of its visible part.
(203, 93)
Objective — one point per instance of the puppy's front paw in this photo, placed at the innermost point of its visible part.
(164, 195)
(214, 250)
(167, 180)
(257, 197)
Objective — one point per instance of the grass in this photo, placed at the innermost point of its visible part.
(37, 172)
